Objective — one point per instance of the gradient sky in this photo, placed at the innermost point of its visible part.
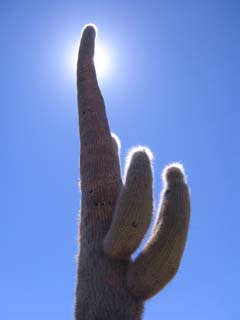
(173, 85)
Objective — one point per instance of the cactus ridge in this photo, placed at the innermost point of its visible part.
(116, 214)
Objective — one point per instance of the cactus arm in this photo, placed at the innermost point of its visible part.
(159, 261)
(99, 164)
(134, 207)
(95, 136)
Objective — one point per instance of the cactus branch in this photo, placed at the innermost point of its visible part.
(99, 163)
(159, 261)
(133, 211)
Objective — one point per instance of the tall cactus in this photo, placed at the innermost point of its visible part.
(115, 215)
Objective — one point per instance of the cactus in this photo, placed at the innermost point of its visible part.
(115, 215)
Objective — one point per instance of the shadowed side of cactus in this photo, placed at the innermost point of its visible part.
(116, 214)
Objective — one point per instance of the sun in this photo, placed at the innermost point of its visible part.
(101, 60)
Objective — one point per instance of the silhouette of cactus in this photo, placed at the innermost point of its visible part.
(116, 216)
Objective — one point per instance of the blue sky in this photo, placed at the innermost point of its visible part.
(174, 86)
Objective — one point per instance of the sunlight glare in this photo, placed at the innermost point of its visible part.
(101, 60)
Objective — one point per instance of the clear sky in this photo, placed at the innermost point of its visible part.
(173, 84)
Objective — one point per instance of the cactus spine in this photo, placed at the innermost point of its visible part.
(115, 215)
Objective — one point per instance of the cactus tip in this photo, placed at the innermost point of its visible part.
(174, 172)
(139, 152)
(90, 29)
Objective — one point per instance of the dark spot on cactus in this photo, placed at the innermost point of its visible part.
(91, 191)
(85, 143)
(145, 185)
(84, 112)
(96, 204)
(168, 191)
(102, 204)
(134, 225)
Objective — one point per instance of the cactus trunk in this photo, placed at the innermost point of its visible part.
(102, 291)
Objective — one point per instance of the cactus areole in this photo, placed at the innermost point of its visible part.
(116, 214)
